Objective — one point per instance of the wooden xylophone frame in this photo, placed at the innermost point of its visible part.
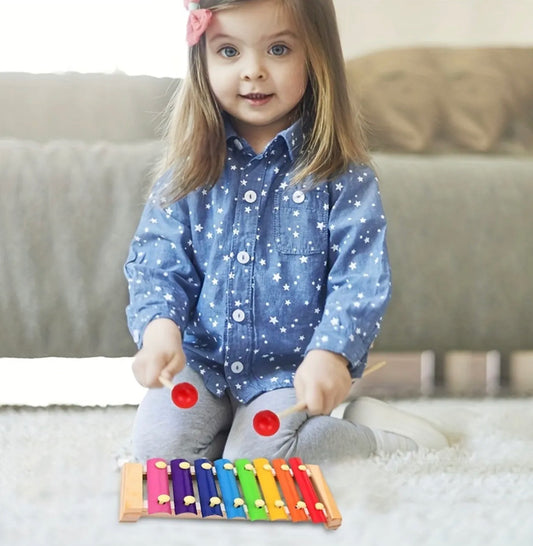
(244, 489)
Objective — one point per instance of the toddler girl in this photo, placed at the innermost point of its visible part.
(259, 270)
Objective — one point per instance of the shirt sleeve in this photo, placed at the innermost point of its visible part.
(358, 286)
(163, 281)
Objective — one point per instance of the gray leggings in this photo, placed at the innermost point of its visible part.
(221, 427)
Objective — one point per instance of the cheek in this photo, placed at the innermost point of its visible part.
(297, 76)
(299, 82)
(304, 81)
(217, 82)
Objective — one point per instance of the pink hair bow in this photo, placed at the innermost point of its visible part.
(198, 22)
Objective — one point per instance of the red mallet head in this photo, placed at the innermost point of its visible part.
(184, 395)
(266, 423)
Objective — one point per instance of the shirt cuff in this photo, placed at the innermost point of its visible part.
(137, 327)
(352, 347)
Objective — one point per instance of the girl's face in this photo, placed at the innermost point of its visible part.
(256, 68)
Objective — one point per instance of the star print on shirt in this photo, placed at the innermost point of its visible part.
(316, 275)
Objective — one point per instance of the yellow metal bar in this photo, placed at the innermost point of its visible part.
(271, 494)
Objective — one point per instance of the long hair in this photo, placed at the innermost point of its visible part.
(196, 148)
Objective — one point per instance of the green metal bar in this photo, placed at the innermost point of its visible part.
(250, 490)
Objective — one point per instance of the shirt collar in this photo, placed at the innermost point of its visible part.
(292, 136)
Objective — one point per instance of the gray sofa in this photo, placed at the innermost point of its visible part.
(76, 153)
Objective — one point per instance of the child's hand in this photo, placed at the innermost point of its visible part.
(322, 381)
(161, 354)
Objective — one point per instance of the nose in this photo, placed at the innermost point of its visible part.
(253, 69)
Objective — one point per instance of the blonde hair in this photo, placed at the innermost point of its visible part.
(196, 147)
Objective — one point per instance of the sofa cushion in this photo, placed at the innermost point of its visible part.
(478, 103)
(88, 107)
(398, 91)
(68, 212)
(446, 99)
(461, 252)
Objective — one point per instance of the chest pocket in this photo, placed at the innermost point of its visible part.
(302, 221)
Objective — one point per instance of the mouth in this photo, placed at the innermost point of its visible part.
(257, 98)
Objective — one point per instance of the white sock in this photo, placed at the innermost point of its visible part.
(390, 442)
(394, 429)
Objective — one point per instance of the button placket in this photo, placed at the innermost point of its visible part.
(240, 324)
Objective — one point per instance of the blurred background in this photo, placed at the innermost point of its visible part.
(370, 25)
(134, 37)
(147, 37)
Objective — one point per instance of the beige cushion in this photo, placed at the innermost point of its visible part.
(451, 99)
(398, 92)
(477, 104)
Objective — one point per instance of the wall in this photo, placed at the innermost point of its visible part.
(369, 25)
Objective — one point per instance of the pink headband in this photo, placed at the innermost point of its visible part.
(198, 22)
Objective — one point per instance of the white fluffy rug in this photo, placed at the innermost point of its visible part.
(59, 485)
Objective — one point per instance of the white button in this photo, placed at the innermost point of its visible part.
(238, 315)
(243, 257)
(237, 367)
(238, 144)
(250, 196)
(298, 196)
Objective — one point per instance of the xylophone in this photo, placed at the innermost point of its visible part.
(245, 489)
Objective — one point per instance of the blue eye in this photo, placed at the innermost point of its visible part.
(278, 50)
(228, 52)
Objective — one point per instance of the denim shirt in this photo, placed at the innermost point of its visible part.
(256, 272)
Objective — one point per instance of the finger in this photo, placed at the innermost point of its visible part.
(138, 369)
(153, 371)
(299, 389)
(335, 397)
(146, 368)
(334, 394)
(167, 372)
(315, 402)
(328, 405)
(173, 367)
